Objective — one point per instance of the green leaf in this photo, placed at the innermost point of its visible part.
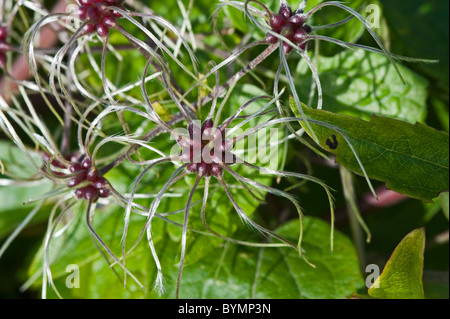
(75, 246)
(245, 272)
(444, 203)
(402, 275)
(410, 159)
(12, 210)
(227, 271)
(430, 40)
(237, 18)
(15, 162)
(14, 194)
(362, 84)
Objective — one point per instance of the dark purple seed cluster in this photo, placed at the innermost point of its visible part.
(81, 171)
(3, 46)
(291, 25)
(206, 150)
(98, 15)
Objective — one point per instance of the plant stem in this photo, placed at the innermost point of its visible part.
(356, 222)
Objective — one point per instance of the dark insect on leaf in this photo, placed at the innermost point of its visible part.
(332, 145)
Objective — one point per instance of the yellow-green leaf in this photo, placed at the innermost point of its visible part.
(402, 275)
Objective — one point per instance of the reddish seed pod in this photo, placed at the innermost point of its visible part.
(299, 36)
(72, 182)
(207, 135)
(207, 124)
(191, 130)
(289, 33)
(307, 28)
(108, 21)
(204, 169)
(74, 167)
(117, 14)
(86, 163)
(88, 28)
(196, 144)
(90, 193)
(3, 33)
(216, 170)
(113, 2)
(93, 15)
(58, 174)
(82, 175)
(270, 38)
(46, 157)
(196, 156)
(92, 175)
(287, 48)
(4, 47)
(79, 192)
(85, 2)
(82, 12)
(285, 10)
(277, 21)
(192, 167)
(296, 20)
(194, 132)
(100, 182)
(58, 164)
(103, 192)
(102, 30)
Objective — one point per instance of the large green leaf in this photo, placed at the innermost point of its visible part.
(243, 272)
(228, 271)
(411, 159)
(402, 275)
(363, 84)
